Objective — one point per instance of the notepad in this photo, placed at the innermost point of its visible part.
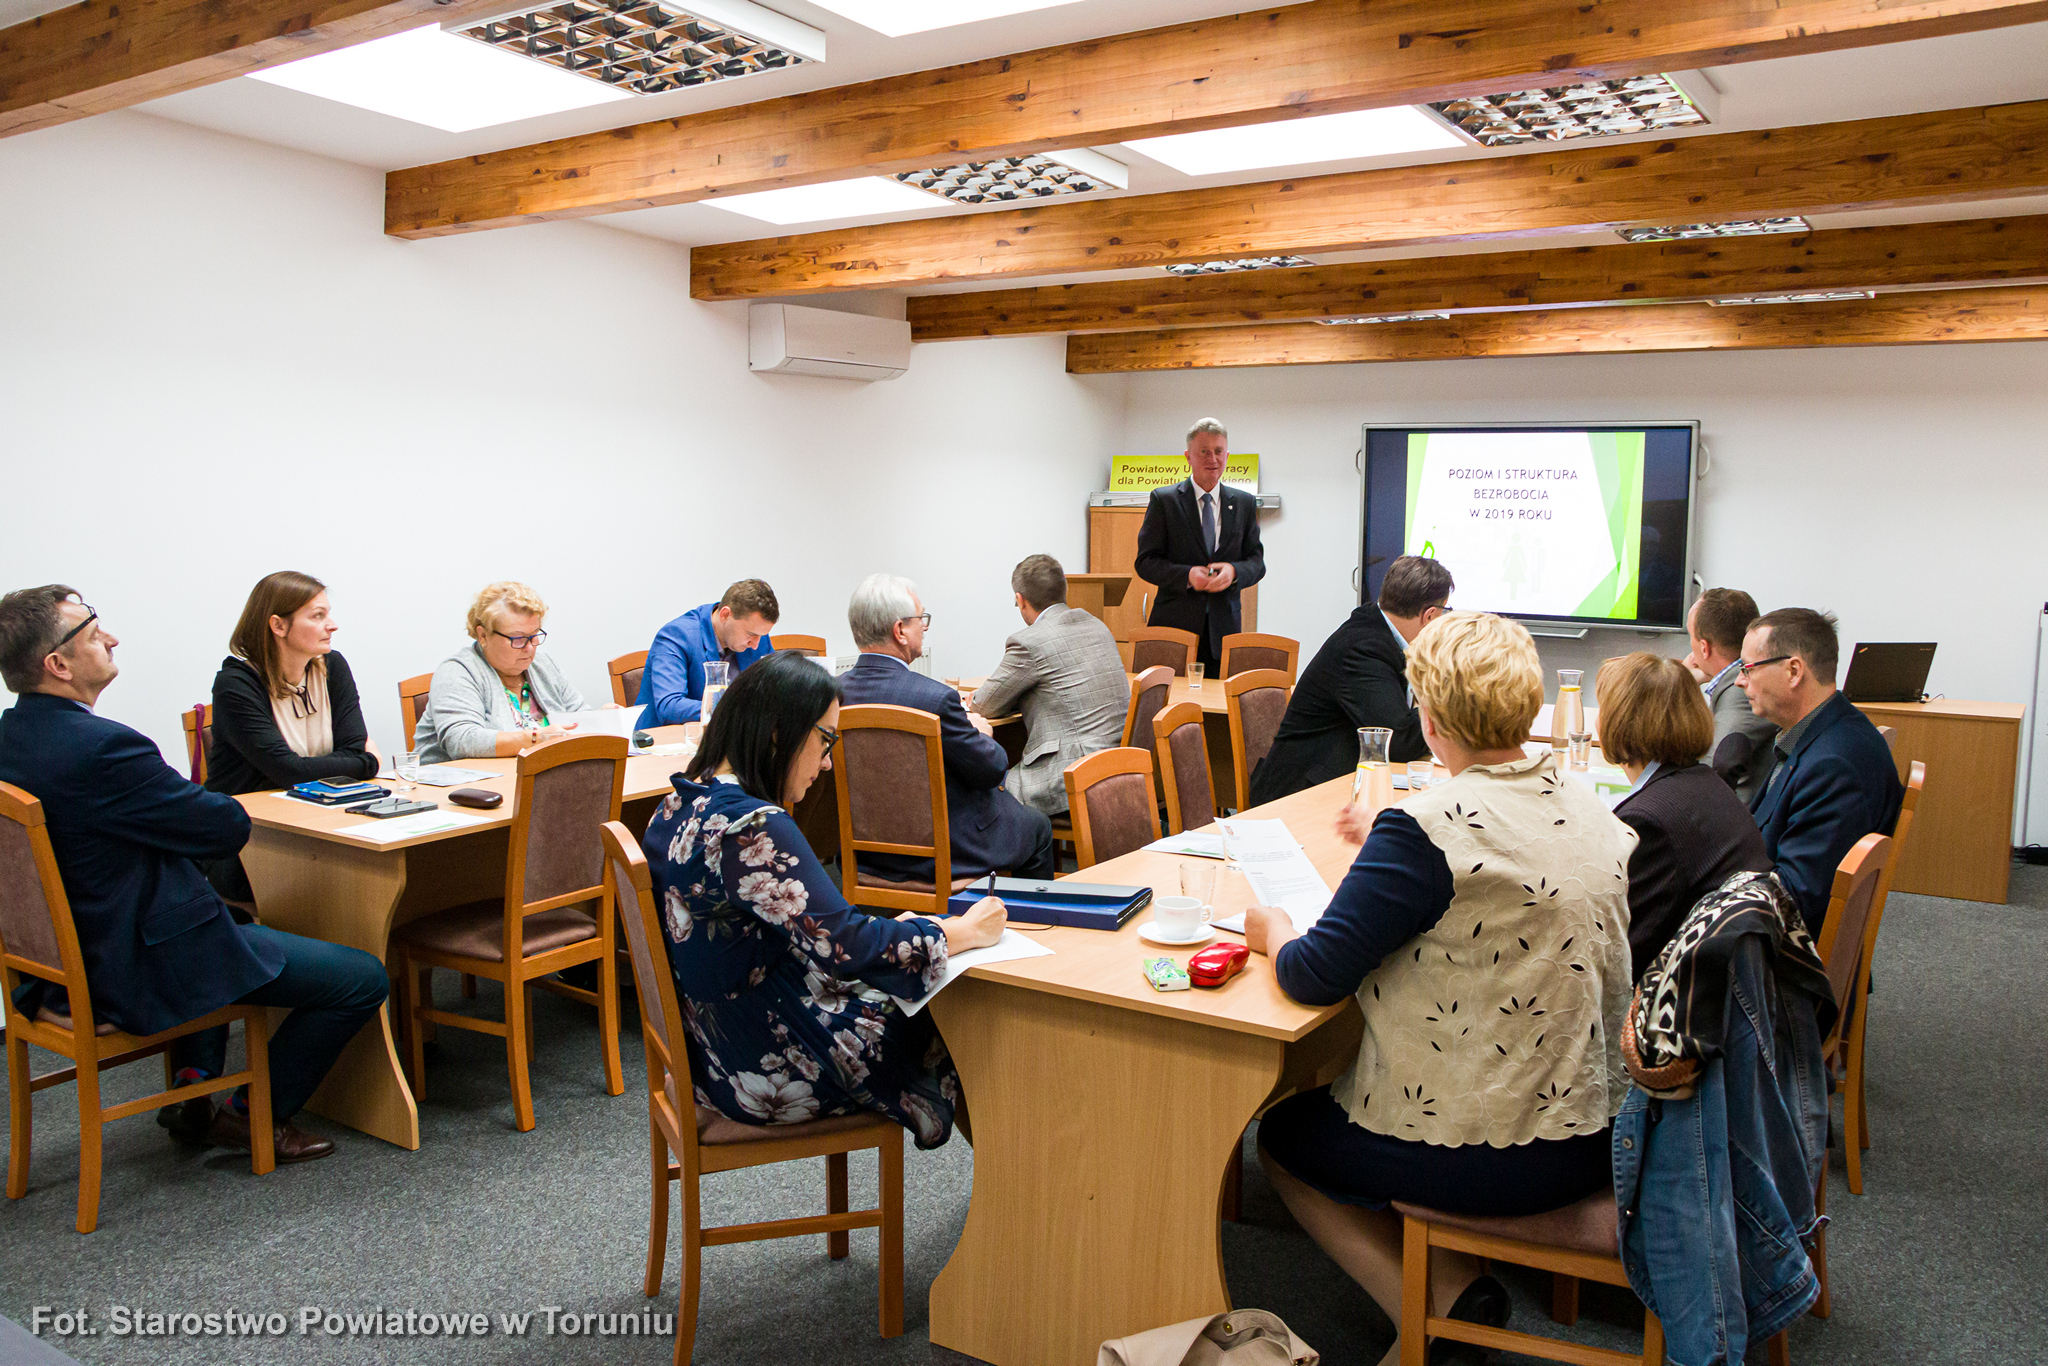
(448, 775)
(1278, 870)
(407, 827)
(1012, 945)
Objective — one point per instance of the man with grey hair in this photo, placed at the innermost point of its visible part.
(990, 829)
(1200, 545)
(1064, 671)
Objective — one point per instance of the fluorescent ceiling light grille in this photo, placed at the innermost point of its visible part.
(1012, 178)
(1300, 142)
(634, 45)
(1689, 232)
(898, 17)
(1560, 113)
(1242, 263)
(1385, 318)
(833, 199)
(1818, 296)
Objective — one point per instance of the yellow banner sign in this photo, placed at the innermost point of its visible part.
(1141, 473)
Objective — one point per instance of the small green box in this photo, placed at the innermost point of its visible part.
(1165, 975)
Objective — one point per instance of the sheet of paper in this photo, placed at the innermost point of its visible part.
(1194, 843)
(682, 747)
(448, 775)
(1011, 945)
(1278, 870)
(600, 720)
(405, 827)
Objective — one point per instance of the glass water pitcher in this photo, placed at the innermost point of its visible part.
(1568, 717)
(1373, 787)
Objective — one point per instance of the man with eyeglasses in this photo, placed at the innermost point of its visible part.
(991, 830)
(160, 946)
(1742, 752)
(733, 630)
(1834, 781)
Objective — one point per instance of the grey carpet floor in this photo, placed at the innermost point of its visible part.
(1941, 1260)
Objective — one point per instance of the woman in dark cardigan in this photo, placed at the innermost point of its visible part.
(285, 708)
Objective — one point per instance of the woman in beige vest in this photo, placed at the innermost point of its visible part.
(1484, 930)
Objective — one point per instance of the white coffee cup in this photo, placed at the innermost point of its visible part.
(1179, 917)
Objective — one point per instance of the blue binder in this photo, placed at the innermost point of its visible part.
(1085, 905)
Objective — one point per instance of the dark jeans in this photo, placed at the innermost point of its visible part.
(330, 989)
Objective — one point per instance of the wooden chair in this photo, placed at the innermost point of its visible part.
(712, 1143)
(412, 703)
(1152, 645)
(626, 671)
(1843, 934)
(556, 912)
(1113, 804)
(1250, 650)
(890, 778)
(1256, 700)
(1150, 690)
(1855, 1112)
(39, 938)
(198, 739)
(813, 646)
(1891, 738)
(1183, 750)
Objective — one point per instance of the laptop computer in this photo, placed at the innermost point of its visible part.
(1889, 672)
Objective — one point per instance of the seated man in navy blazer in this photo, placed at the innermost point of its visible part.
(991, 830)
(1199, 543)
(1835, 781)
(160, 945)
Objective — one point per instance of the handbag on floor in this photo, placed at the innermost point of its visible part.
(1244, 1337)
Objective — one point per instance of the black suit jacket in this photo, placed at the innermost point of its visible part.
(1359, 678)
(160, 946)
(990, 829)
(1170, 544)
(1693, 834)
(1839, 785)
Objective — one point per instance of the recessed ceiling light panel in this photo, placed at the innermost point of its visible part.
(1242, 263)
(1301, 142)
(898, 17)
(1008, 179)
(1818, 296)
(1562, 113)
(1385, 318)
(636, 45)
(833, 199)
(1692, 232)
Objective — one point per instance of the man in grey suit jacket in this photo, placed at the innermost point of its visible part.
(1063, 669)
(1742, 752)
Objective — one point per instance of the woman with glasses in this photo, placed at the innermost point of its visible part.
(790, 994)
(501, 694)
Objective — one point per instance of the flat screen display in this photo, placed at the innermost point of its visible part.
(1581, 525)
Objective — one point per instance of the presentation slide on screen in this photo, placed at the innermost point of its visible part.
(1543, 523)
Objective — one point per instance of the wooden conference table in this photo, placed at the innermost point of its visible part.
(313, 876)
(1104, 1113)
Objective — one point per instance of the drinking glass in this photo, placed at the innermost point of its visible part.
(1581, 749)
(1195, 667)
(717, 678)
(1569, 714)
(408, 769)
(1421, 773)
(1198, 880)
(1373, 785)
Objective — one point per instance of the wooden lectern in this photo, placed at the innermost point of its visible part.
(1095, 594)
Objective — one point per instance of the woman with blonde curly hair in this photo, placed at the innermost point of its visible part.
(1484, 930)
(499, 694)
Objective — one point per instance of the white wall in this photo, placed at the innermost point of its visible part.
(1903, 487)
(213, 364)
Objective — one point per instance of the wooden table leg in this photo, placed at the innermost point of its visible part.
(1101, 1136)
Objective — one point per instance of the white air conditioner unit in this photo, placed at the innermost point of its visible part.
(788, 339)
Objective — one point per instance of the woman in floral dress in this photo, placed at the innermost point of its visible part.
(786, 987)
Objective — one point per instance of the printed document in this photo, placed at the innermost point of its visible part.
(1011, 945)
(406, 827)
(1278, 870)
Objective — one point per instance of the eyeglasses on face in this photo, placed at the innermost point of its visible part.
(521, 642)
(91, 616)
(1749, 666)
(831, 738)
(922, 618)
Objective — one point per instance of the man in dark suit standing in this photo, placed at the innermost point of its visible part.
(1200, 546)
(160, 945)
(1835, 781)
(990, 829)
(1359, 678)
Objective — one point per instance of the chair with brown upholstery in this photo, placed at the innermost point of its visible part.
(556, 912)
(1152, 645)
(1150, 690)
(1111, 798)
(39, 938)
(626, 672)
(890, 778)
(412, 703)
(1249, 650)
(1257, 701)
(1855, 1112)
(814, 646)
(198, 724)
(687, 1152)
(1184, 758)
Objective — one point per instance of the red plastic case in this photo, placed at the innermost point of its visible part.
(1217, 964)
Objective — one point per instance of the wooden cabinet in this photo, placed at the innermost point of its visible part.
(1113, 549)
(1961, 845)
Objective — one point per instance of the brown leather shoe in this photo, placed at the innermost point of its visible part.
(291, 1143)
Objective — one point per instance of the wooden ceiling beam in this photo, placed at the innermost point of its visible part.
(2018, 313)
(108, 54)
(1976, 252)
(1290, 61)
(1943, 157)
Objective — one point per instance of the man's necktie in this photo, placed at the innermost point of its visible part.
(1209, 521)
(729, 656)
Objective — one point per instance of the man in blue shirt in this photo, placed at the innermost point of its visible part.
(733, 629)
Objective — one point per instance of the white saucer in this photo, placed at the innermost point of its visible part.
(1152, 934)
